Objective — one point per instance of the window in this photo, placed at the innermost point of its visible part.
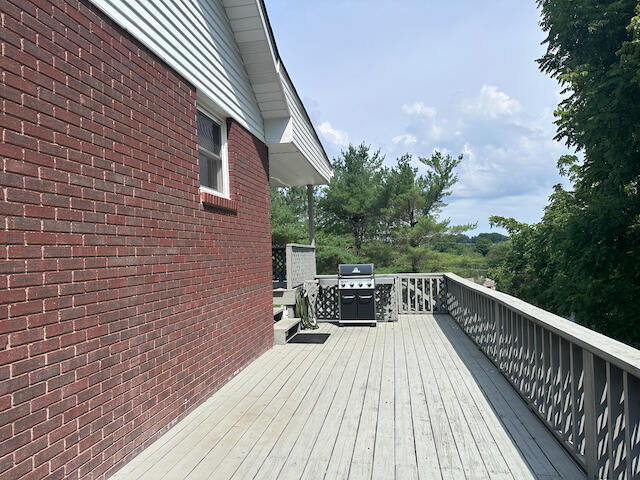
(211, 154)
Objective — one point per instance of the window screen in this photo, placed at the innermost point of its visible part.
(210, 153)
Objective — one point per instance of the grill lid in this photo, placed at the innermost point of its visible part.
(355, 270)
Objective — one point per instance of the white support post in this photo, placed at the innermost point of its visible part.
(312, 229)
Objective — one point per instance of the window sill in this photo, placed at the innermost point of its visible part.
(217, 201)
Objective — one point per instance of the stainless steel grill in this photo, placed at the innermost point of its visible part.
(356, 284)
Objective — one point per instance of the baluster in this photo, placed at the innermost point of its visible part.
(615, 422)
(519, 320)
(547, 355)
(512, 349)
(496, 339)
(538, 368)
(525, 356)
(432, 306)
(530, 354)
(554, 406)
(577, 395)
(474, 323)
(489, 326)
(405, 295)
(566, 391)
(595, 401)
(632, 424)
(485, 326)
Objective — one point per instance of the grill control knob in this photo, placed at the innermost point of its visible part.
(342, 285)
(351, 284)
(360, 284)
(369, 284)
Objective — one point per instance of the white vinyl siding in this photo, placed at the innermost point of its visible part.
(196, 39)
(304, 137)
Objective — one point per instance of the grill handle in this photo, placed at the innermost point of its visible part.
(348, 297)
(366, 297)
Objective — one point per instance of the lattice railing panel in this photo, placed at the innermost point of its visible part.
(385, 302)
(279, 264)
(327, 306)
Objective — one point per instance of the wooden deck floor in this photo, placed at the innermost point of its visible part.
(412, 399)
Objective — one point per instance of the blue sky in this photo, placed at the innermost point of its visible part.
(414, 76)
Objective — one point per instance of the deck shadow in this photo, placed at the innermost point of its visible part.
(544, 455)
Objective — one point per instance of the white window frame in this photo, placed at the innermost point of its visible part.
(224, 193)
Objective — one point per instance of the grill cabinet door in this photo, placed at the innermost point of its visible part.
(348, 305)
(366, 305)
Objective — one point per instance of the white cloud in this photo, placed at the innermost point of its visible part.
(423, 125)
(467, 152)
(406, 139)
(333, 135)
(444, 151)
(420, 109)
(492, 103)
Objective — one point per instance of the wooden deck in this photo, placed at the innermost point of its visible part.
(412, 399)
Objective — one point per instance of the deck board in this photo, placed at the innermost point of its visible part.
(410, 399)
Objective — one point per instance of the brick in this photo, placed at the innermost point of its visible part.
(18, 471)
(10, 385)
(13, 414)
(47, 426)
(24, 366)
(44, 374)
(15, 443)
(26, 422)
(118, 275)
(27, 394)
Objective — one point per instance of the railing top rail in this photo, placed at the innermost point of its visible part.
(615, 352)
(333, 279)
(420, 275)
(301, 245)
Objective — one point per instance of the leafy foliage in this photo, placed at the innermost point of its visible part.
(483, 245)
(352, 202)
(289, 222)
(385, 215)
(583, 257)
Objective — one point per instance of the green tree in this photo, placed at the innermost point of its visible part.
(352, 202)
(289, 222)
(483, 245)
(536, 263)
(593, 49)
(414, 205)
(493, 237)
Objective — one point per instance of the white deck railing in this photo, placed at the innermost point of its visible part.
(421, 293)
(583, 385)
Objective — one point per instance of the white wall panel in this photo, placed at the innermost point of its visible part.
(196, 39)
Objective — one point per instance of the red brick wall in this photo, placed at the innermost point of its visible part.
(124, 301)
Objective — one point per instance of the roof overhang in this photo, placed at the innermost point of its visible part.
(296, 155)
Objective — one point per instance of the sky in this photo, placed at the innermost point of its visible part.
(412, 76)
